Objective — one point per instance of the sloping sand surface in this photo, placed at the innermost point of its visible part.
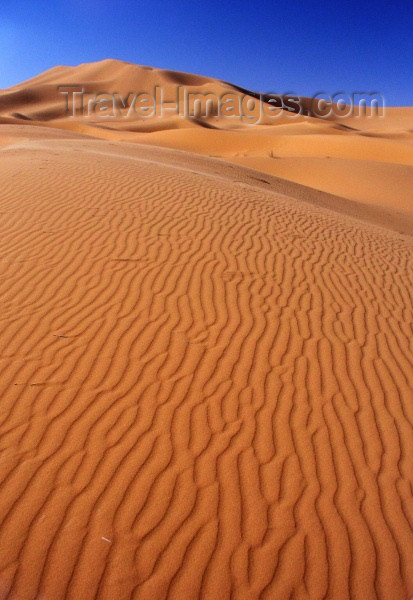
(372, 170)
(371, 182)
(206, 380)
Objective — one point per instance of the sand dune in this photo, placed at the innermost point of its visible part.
(38, 100)
(206, 370)
(328, 155)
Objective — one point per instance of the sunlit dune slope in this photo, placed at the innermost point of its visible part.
(369, 169)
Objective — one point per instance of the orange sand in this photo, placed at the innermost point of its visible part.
(206, 369)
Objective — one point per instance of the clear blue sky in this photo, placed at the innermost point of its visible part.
(304, 47)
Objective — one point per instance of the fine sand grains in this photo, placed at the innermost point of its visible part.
(206, 386)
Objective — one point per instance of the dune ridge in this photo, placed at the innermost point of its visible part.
(206, 383)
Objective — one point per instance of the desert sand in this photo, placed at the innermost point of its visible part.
(206, 352)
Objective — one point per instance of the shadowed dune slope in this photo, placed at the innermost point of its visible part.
(206, 382)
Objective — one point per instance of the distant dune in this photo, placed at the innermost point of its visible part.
(367, 160)
(206, 351)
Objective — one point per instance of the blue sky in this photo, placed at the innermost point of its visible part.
(304, 47)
